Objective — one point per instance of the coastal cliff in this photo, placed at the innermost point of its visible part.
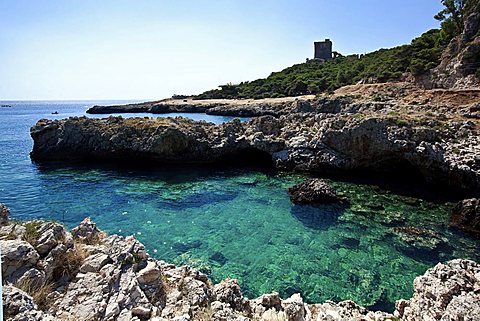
(53, 274)
(326, 135)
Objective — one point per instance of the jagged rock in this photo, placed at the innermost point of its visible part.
(17, 255)
(95, 262)
(19, 306)
(466, 215)
(87, 232)
(4, 214)
(267, 302)
(150, 274)
(306, 142)
(455, 69)
(345, 310)
(445, 292)
(52, 234)
(294, 308)
(228, 291)
(313, 191)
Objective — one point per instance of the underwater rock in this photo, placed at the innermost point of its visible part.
(182, 247)
(319, 217)
(466, 216)
(219, 258)
(420, 244)
(350, 242)
(313, 191)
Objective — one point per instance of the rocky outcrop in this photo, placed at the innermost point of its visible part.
(247, 108)
(466, 216)
(446, 292)
(313, 142)
(313, 191)
(115, 279)
(460, 59)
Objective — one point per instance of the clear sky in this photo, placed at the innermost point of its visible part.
(145, 49)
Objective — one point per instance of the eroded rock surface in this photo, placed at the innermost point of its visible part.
(313, 142)
(466, 216)
(445, 292)
(313, 191)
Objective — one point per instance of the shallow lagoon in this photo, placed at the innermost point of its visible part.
(239, 223)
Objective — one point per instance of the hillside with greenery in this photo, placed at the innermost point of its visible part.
(315, 77)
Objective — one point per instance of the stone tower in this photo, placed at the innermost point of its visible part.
(323, 50)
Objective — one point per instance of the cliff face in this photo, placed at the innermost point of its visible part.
(461, 58)
(444, 153)
(53, 274)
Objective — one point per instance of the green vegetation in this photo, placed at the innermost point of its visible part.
(316, 77)
(31, 234)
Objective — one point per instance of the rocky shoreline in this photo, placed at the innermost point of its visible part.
(53, 274)
(324, 136)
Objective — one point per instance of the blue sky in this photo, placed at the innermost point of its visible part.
(145, 49)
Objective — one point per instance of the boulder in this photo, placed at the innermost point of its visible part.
(466, 216)
(19, 306)
(313, 191)
(87, 232)
(445, 292)
(95, 262)
(16, 255)
(228, 291)
(50, 235)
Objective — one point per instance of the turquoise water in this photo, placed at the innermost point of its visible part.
(239, 223)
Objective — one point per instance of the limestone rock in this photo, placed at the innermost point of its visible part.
(95, 262)
(150, 274)
(52, 234)
(87, 232)
(119, 281)
(345, 310)
(466, 215)
(17, 255)
(19, 306)
(228, 291)
(313, 191)
(445, 292)
(315, 142)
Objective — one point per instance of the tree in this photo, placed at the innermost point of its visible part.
(452, 15)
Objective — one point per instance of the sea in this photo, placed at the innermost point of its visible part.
(237, 222)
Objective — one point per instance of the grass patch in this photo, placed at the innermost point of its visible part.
(70, 262)
(39, 293)
(31, 234)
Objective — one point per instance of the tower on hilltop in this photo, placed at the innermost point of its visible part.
(323, 50)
